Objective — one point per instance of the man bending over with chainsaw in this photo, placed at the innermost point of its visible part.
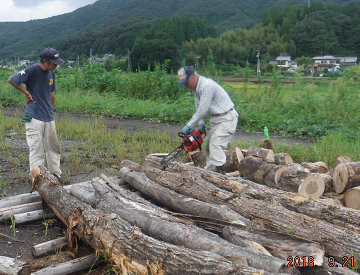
(210, 100)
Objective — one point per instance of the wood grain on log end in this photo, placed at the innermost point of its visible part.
(352, 198)
(313, 186)
(340, 178)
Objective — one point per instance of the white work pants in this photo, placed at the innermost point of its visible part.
(42, 140)
(222, 128)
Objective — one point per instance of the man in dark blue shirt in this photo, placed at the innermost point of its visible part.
(41, 134)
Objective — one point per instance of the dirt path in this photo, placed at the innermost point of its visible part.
(171, 129)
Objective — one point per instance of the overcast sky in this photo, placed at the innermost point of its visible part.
(25, 10)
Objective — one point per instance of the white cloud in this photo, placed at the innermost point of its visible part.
(24, 10)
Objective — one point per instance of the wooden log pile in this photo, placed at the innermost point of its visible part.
(181, 219)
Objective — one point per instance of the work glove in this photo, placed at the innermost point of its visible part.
(202, 128)
(26, 118)
(186, 130)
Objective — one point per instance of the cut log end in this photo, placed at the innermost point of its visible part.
(340, 178)
(352, 198)
(312, 186)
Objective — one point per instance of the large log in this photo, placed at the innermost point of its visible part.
(316, 167)
(258, 206)
(31, 197)
(178, 202)
(13, 266)
(266, 154)
(255, 169)
(128, 248)
(346, 176)
(233, 158)
(155, 223)
(279, 245)
(293, 178)
(317, 208)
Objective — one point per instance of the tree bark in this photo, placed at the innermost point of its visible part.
(292, 178)
(233, 158)
(128, 248)
(199, 158)
(316, 167)
(266, 154)
(264, 208)
(30, 197)
(79, 264)
(346, 176)
(48, 247)
(20, 199)
(13, 266)
(162, 226)
(7, 212)
(256, 169)
(316, 208)
(283, 158)
(267, 143)
(33, 216)
(342, 159)
(279, 245)
(178, 202)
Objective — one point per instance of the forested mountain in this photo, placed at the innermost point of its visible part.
(25, 39)
(226, 31)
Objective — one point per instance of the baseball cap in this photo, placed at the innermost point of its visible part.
(184, 73)
(52, 55)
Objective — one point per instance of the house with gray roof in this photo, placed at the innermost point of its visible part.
(348, 61)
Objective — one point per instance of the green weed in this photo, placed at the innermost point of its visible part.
(13, 224)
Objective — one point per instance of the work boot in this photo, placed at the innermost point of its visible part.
(220, 169)
(61, 180)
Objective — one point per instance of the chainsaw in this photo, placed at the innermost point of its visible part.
(191, 142)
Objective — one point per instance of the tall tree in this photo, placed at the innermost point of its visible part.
(154, 46)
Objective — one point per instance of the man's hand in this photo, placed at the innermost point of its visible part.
(186, 130)
(29, 98)
(202, 128)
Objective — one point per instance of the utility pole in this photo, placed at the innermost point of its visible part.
(91, 56)
(196, 61)
(129, 60)
(258, 62)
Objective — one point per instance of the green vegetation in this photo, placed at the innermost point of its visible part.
(327, 112)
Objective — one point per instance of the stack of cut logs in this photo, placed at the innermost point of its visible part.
(268, 215)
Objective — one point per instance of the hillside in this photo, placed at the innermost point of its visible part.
(25, 39)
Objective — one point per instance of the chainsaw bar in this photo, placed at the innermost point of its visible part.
(172, 154)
